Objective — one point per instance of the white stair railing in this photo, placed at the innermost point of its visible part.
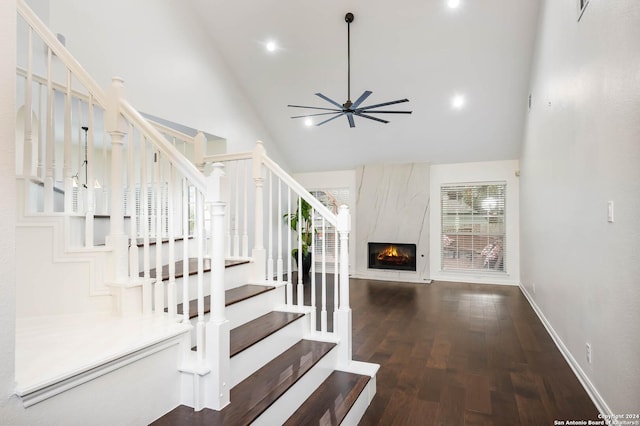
(144, 178)
(148, 181)
(275, 200)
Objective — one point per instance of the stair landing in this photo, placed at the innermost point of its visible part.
(50, 350)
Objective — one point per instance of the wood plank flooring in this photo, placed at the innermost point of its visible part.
(461, 354)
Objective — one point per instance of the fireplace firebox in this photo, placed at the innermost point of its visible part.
(392, 256)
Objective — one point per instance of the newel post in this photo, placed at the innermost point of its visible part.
(217, 328)
(344, 311)
(117, 129)
(259, 252)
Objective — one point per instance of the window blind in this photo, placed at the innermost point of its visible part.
(473, 227)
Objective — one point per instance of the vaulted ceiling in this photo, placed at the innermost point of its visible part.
(422, 50)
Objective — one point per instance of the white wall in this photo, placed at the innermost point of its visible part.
(489, 171)
(8, 404)
(393, 207)
(582, 149)
(170, 67)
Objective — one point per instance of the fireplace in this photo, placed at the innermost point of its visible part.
(392, 256)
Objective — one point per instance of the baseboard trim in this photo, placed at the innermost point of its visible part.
(591, 390)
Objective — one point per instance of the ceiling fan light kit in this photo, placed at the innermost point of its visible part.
(349, 108)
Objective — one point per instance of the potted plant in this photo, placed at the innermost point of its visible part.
(301, 216)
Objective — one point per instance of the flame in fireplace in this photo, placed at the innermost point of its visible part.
(391, 254)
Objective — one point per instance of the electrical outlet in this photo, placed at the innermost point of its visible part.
(533, 285)
(589, 353)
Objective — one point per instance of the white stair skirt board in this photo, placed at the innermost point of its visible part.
(288, 403)
(251, 359)
(54, 354)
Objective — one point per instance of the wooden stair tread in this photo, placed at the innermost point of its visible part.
(193, 267)
(330, 403)
(256, 393)
(250, 333)
(231, 296)
(152, 241)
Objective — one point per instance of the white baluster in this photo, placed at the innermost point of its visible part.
(336, 278)
(270, 226)
(323, 312)
(200, 326)
(171, 287)
(90, 201)
(28, 149)
(288, 254)
(131, 207)
(158, 290)
(344, 311)
(66, 168)
(300, 273)
(40, 172)
(236, 220)
(147, 292)
(185, 251)
(312, 250)
(50, 140)
(279, 264)
(245, 215)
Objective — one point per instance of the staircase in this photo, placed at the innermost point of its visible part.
(155, 283)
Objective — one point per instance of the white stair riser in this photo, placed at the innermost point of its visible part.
(178, 253)
(248, 310)
(288, 403)
(235, 274)
(251, 359)
(359, 407)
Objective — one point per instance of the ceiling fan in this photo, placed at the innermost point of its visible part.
(349, 109)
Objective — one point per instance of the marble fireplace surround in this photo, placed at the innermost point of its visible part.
(392, 204)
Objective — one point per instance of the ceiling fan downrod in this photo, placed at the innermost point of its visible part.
(349, 108)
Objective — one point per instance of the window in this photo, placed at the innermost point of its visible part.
(473, 227)
(331, 199)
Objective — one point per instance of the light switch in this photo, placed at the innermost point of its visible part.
(610, 215)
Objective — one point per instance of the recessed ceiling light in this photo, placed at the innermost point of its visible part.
(453, 3)
(271, 46)
(308, 122)
(458, 101)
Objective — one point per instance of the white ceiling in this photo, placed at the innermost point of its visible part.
(416, 49)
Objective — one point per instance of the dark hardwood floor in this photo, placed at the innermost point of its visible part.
(461, 354)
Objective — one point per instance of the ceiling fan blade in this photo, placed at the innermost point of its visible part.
(352, 124)
(385, 104)
(310, 107)
(361, 99)
(338, 114)
(331, 101)
(372, 118)
(314, 115)
(360, 110)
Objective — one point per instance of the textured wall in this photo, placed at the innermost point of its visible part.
(582, 149)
